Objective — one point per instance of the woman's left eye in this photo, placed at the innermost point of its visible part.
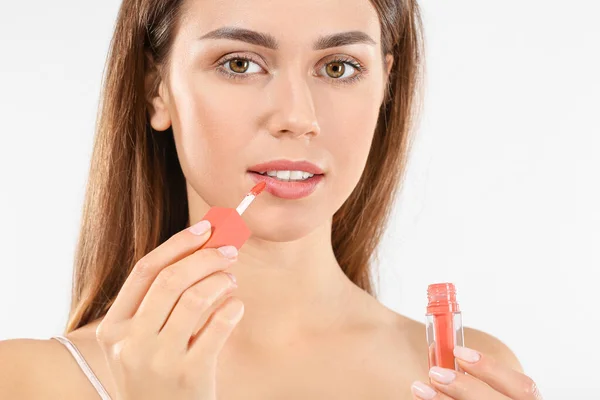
(341, 70)
(337, 70)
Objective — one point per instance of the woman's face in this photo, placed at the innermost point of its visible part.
(294, 102)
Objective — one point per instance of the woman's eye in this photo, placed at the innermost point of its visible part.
(241, 65)
(338, 69)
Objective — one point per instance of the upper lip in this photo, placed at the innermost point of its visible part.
(286, 165)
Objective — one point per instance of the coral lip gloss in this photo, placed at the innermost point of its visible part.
(288, 189)
(444, 325)
(287, 165)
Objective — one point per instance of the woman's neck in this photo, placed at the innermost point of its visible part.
(289, 287)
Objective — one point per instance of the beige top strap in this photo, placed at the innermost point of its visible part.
(84, 367)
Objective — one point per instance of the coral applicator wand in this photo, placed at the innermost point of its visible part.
(228, 227)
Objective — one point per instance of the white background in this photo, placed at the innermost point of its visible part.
(502, 194)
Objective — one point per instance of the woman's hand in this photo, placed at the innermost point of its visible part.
(170, 320)
(487, 379)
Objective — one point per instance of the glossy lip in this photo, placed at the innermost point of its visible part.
(288, 190)
(287, 165)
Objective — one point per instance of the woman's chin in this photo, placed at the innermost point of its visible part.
(282, 230)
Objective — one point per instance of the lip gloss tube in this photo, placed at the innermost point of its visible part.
(444, 326)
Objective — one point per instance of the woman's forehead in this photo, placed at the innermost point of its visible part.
(281, 20)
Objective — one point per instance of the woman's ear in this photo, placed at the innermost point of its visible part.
(389, 62)
(157, 100)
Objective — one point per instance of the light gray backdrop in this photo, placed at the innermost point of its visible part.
(502, 195)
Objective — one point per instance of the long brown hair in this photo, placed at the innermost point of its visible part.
(136, 196)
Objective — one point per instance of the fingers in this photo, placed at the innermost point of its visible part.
(461, 386)
(211, 339)
(502, 378)
(171, 283)
(146, 269)
(193, 309)
(422, 391)
(485, 379)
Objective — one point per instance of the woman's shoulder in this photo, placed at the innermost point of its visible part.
(491, 346)
(407, 332)
(30, 367)
(39, 368)
(415, 332)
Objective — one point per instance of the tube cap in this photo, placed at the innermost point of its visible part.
(442, 298)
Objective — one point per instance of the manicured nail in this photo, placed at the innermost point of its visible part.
(200, 228)
(229, 251)
(232, 278)
(423, 391)
(466, 354)
(442, 375)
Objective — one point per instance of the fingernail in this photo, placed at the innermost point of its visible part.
(423, 391)
(229, 251)
(232, 278)
(466, 354)
(200, 228)
(442, 375)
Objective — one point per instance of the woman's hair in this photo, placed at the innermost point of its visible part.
(136, 196)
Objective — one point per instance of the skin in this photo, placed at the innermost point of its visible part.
(306, 331)
(298, 116)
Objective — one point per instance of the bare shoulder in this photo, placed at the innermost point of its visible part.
(491, 346)
(397, 349)
(401, 338)
(394, 330)
(32, 368)
(36, 369)
(415, 332)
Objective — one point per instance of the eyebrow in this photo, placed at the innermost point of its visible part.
(268, 41)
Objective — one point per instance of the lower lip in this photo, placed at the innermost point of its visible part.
(288, 190)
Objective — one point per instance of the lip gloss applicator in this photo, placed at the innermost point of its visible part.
(228, 227)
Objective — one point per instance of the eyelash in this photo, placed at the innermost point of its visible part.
(240, 76)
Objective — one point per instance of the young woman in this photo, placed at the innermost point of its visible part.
(201, 97)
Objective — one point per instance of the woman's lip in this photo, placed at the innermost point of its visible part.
(288, 190)
(287, 165)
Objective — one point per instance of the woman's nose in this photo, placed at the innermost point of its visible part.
(292, 107)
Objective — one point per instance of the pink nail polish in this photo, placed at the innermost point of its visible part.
(228, 251)
(200, 228)
(466, 354)
(442, 375)
(423, 391)
(232, 277)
